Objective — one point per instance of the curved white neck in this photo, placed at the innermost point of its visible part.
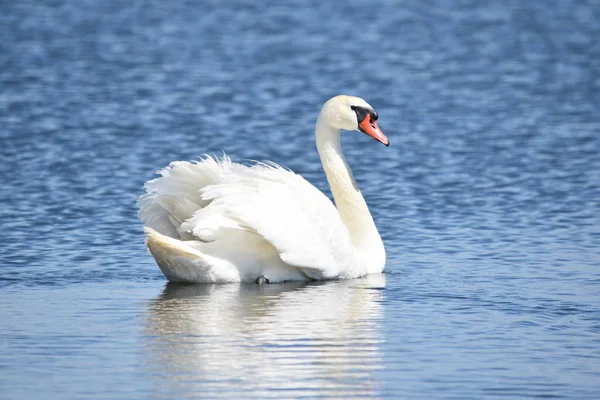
(350, 203)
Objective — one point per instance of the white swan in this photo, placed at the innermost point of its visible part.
(215, 221)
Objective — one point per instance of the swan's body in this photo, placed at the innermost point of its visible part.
(216, 221)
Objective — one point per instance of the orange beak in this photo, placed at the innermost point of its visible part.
(370, 127)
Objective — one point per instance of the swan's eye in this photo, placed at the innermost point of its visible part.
(361, 112)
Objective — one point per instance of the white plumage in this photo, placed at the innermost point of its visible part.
(215, 221)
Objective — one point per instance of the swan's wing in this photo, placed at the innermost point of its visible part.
(175, 196)
(206, 200)
(282, 207)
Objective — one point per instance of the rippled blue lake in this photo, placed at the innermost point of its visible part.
(488, 198)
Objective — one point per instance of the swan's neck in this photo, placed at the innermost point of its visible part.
(350, 203)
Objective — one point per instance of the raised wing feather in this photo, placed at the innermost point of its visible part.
(175, 196)
(206, 200)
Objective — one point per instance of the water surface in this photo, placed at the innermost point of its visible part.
(488, 198)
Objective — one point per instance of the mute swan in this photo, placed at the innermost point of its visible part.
(214, 221)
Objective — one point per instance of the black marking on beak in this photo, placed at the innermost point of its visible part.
(362, 112)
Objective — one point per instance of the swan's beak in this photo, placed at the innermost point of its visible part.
(369, 126)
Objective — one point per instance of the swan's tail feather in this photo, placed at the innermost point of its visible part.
(158, 243)
(182, 261)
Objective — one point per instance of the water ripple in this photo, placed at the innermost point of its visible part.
(487, 198)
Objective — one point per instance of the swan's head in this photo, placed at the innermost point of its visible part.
(353, 114)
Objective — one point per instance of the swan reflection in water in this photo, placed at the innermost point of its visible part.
(309, 338)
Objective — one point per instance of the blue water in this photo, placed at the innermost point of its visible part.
(488, 198)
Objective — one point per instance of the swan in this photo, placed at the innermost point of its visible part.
(215, 221)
